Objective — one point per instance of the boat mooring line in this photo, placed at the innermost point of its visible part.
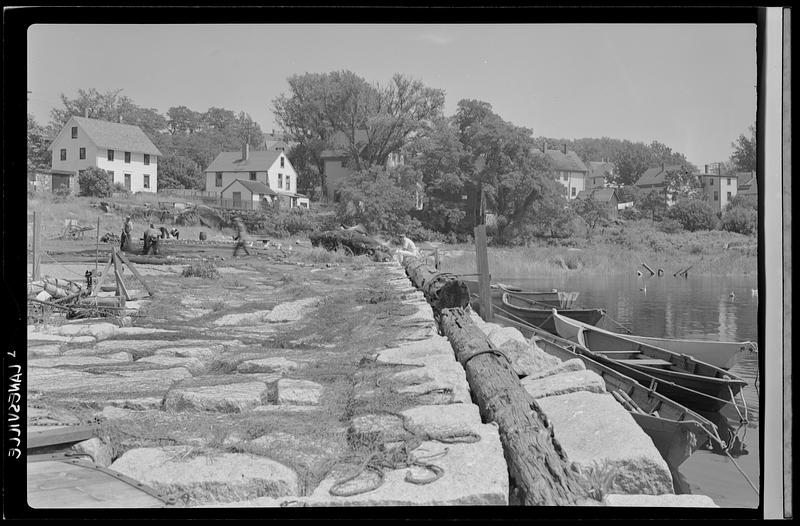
(742, 472)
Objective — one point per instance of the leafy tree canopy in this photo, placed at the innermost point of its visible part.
(744, 157)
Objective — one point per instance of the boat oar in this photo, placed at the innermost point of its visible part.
(631, 402)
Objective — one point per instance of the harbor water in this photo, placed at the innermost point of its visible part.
(699, 307)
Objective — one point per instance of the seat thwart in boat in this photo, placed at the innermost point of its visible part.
(656, 362)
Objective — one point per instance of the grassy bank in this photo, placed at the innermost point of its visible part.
(617, 250)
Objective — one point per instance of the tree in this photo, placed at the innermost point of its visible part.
(181, 119)
(590, 210)
(693, 214)
(379, 199)
(744, 156)
(38, 154)
(95, 182)
(682, 183)
(550, 217)
(178, 171)
(653, 201)
(500, 160)
(373, 120)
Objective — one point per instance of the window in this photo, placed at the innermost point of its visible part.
(716, 196)
(63, 154)
(147, 181)
(281, 161)
(288, 186)
(252, 176)
(110, 155)
(74, 132)
(219, 179)
(573, 191)
(280, 180)
(729, 181)
(127, 157)
(111, 176)
(82, 153)
(147, 158)
(729, 196)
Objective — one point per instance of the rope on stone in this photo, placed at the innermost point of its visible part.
(400, 457)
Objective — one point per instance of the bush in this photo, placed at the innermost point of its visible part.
(670, 226)
(95, 182)
(204, 269)
(693, 215)
(695, 249)
(630, 214)
(740, 220)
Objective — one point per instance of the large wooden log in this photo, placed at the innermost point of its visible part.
(442, 289)
(536, 464)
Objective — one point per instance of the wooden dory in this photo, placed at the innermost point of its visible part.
(540, 316)
(675, 430)
(554, 298)
(696, 384)
(718, 354)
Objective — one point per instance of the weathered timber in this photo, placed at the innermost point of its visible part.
(536, 463)
(353, 241)
(63, 435)
(442, 289)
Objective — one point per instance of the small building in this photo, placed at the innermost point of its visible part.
(123, 150)
(568, 169)
(600, 174)
(655, 178)
(249, 195)
(606, 197)
(336, 157)
(270, 167)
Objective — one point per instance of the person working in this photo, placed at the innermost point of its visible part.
(127, 229)
(151, 236)
(240, 237)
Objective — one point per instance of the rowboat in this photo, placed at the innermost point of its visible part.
(718, 354)
(552, 298)
(675, 430)
(698, 385)
(540, 316)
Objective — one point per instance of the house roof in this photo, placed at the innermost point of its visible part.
(116, 136)
(599, 194)
(339, 144)
(656, 175)
(255, 187)
(600, 169)
(569, 162)
(257, 161)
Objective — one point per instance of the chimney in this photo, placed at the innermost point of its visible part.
(565, 149)
(705, 168)
(245, 151)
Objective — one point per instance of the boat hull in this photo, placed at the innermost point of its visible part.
(718, 354)
(543, 318)
(690, 382)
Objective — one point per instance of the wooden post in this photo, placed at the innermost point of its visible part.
(37, 247)
(537, 466)
(121, 289)
(97, 245)
(436, 258)
(135, 272)
(484, 279)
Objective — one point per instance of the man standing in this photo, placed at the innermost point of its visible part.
(151, 236)
(127, 229)
(240, 237)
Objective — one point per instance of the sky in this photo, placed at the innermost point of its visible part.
(689, 86)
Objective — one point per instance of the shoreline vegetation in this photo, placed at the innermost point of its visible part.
(617, 250)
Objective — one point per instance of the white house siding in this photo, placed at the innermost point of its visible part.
(268, 177)
(721, 186)
(98, 157)
(576, 180)
(136, 168)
